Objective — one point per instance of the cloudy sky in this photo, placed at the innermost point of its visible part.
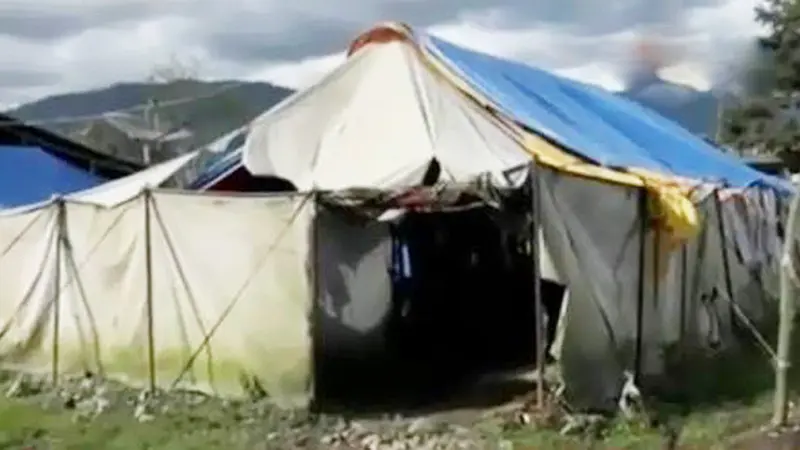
(54, 46)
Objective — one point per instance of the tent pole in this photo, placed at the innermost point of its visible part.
(60, 224)
(682, 318)
(726, 268)
(536, 216)
(786, 320)
(151, 352)
(643, 219)
(316, 357)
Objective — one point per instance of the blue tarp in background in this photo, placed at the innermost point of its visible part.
(218, 166)
(595, 123)
(227, 157)
(31, 175)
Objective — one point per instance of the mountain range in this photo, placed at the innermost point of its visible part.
(695, 110)
(222, 106)
(208, 108)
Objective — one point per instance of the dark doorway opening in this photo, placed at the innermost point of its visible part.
(461, 308)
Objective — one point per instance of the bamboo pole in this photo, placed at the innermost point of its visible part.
(151, 352)
(643, 219)
(60, 224)
(536, 218)
(786, 321)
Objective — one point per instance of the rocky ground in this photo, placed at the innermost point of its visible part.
(92, 403)
(88, 413)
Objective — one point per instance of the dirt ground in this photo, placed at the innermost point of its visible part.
(765, 440)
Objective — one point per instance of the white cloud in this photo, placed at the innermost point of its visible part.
(151, 32)
(297, 74)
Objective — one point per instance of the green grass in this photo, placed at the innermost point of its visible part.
(713, 403)
(24, 425)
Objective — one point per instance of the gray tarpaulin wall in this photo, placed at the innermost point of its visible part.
(354, 287)
(593, 234)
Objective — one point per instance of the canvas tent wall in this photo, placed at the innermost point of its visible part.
(183, 318)
(209, 293)
(629, 302)
(31, 175)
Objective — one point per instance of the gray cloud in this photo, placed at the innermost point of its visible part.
(245, 34)
(44, 26)
(302, 32)
(45, 23)
(295, 29)
(20, 77)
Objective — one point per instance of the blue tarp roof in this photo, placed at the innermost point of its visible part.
(595, 123)
(31, 175)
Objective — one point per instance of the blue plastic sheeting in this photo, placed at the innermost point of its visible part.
(227, 156)
(595, 123)
(219, 165)
(31, 175)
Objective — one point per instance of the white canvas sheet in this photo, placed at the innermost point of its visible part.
(123, 189)
(230, 292)
(377, 122)
(27, 274)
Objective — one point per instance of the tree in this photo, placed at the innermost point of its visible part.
(766, 120)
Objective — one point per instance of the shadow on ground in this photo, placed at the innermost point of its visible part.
(393, 389)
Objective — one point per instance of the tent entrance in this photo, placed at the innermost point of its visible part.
(461, 299)
(415, 311)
